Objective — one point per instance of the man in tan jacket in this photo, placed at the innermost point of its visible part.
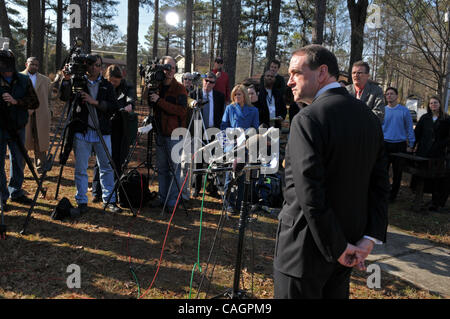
(38, 128)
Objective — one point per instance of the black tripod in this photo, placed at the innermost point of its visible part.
(77, 102)
(50, 159)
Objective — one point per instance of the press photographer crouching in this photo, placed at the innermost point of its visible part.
(17, 96)
(124, 125)
(169, 104)
(99, 93)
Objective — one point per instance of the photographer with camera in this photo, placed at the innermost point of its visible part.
(17, 96)
(169, 104)
(123, 123)
(99, 93)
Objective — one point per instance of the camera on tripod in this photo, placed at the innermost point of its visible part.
(153, 74)
(197, 84)
(77, 65)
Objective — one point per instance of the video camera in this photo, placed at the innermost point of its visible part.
(153, 74)
(76, 65)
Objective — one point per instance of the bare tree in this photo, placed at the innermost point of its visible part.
(430, 39)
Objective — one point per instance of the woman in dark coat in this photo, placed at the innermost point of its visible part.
(432, 140)
(124, 125)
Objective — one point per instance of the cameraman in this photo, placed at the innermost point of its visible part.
(17, 96)
(170, 111)
(99, 93)
(122, 123)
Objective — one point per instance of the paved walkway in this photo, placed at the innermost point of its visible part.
(415, 260)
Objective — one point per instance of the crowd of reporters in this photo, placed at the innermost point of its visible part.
(250, 104)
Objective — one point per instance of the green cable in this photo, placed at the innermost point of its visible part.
(199, 237)
(137, 282)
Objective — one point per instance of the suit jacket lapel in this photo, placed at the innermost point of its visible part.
(366, 92)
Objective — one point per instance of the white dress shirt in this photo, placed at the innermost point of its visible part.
(33, 79)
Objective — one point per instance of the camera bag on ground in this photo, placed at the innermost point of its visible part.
(136, 186)
(269, 190)
(62, 210)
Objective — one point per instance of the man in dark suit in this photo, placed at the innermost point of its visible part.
(212, 112)
(272, 109)
(337, 184)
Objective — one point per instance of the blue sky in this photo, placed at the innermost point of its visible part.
(145, 18)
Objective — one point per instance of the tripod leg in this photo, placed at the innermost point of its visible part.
(59, 181)
(30, 210)
(2, 225)
(48, 167)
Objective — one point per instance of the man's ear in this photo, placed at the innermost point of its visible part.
(323, 72)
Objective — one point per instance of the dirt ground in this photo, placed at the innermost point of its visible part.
(152, 255)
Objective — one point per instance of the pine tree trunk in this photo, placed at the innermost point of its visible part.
(36, 43)
(273, 30)
(82, 31)
(132, 41)
(4, 23)
(358, 14)
(188, 38)
(319, 20)
(156, 31)
(59, 22)
(230, 36)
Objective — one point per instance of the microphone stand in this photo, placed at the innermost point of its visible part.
(235, 292)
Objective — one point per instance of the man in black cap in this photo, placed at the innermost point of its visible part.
(16, 96)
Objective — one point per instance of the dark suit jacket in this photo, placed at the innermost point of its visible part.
(263, 109)
(336, 184)
(219, 107)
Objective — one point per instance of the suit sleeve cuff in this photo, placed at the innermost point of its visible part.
(376, 241)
